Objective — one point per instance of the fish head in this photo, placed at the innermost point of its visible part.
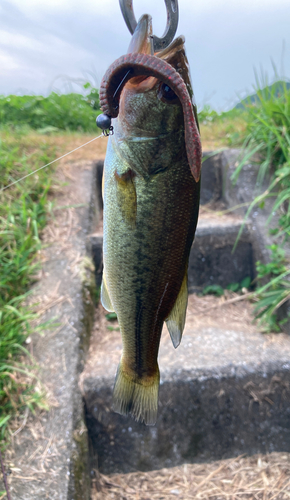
(149, 129)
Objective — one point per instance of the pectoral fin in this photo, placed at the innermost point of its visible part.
(176, 319)
(126, 196)
(105, 298)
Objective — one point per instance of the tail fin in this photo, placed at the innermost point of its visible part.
(136, 396)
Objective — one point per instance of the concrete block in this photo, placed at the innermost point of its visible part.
(211, 178)
(212, 260)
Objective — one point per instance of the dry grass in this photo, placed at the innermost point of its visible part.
(260, 477)
(67, 142)
(222, 133)
(229, 310)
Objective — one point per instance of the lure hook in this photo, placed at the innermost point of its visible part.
(171, 25)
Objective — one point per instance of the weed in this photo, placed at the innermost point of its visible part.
(275, 292)
(55, 112)
(268, 131)
(22, 217)
(268, 135)
(111, 316)
(213, 290)
(233, 287)
(112, 329)
(238, 287)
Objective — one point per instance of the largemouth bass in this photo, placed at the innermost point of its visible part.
(151, 199)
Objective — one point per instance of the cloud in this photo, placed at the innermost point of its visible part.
(7, 63)
(225, 40)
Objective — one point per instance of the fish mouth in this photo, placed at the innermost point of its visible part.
(140, 71)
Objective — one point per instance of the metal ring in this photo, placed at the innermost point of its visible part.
(171, 25)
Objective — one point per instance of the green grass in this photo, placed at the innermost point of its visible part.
(275, 292)
(233, 287)
(55, 112)
(268, 131)
(268, 139)
(22, 217)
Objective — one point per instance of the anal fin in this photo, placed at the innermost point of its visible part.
(105, 297)
(176, 319)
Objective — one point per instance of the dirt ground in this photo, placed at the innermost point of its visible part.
(260, 477)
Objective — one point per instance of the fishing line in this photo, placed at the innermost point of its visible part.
(121, 83)
(53, 161)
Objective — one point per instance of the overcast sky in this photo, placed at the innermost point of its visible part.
(44, 43)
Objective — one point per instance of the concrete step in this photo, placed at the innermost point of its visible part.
(225, 391)
(212, 260)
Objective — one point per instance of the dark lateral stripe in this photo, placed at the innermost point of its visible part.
(138, 339)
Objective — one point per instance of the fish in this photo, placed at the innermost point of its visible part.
(151, 186)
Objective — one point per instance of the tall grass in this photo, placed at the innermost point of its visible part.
(268, 135)
(22, 216)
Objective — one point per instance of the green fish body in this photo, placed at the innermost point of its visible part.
(151, 202)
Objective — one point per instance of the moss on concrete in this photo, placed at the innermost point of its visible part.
(80, 470)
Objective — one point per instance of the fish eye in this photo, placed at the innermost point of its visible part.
(166, 94)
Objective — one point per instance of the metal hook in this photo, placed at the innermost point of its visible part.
(171, 25)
